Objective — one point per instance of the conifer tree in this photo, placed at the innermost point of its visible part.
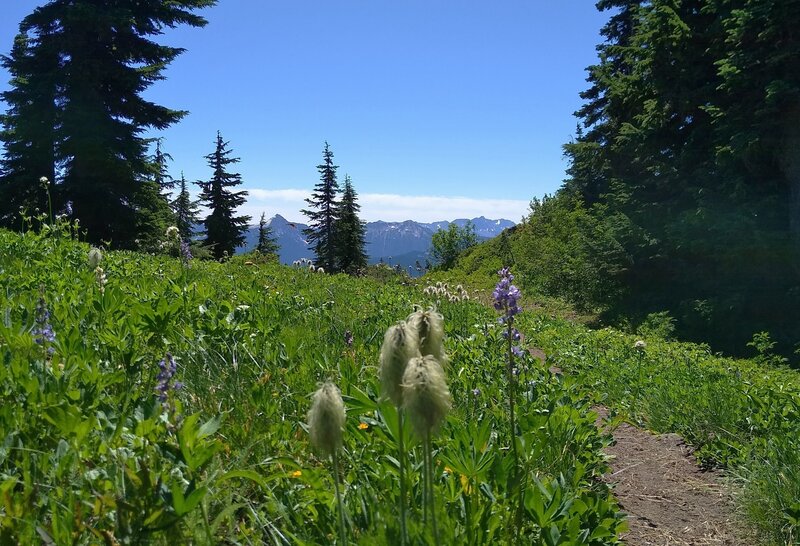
(106, 60)
(28, 130)
(224, 231)
(350, 232)
(162, 177)
(267, 244)
(187, 212)
(322, 221)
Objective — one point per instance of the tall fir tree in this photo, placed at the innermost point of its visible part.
(161, 172)
(186, 211)
(224, 230)
(322, 221)
(106, 60)
(267, 244)
(350, 232)
(151, 203)
(29, 125)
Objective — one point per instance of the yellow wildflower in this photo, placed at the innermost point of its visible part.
(297, 474)
(363, 426)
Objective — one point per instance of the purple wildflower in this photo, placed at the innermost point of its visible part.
(43, 333)
(186, 252)
(348, 338)
(168, 368)
(476, 392)
(506, 299)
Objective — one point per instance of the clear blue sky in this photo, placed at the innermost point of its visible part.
(466, 101)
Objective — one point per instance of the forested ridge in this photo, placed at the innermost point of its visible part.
(682, 200)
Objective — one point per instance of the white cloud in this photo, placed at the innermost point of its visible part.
(387, 206)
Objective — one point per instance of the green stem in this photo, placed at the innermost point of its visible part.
(342, 535)
(402, 456)
(512, 404)
(429, 466)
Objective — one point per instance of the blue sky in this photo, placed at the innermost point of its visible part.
(437, 109)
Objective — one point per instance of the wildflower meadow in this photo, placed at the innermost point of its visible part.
(149, 399)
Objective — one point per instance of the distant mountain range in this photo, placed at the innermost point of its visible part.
(395, 243)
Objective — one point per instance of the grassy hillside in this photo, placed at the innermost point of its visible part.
(98, 444)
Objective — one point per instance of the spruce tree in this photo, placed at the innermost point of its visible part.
(322, 221)
(224, 231)
(106, 62)
(267, 244)
(186, 211)
(28, 130)
(350, 232)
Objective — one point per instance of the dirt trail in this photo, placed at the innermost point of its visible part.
(668, 499)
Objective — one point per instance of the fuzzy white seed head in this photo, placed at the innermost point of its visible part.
(426, 397)
(95, 257)
(312, 268)
(320, 270)
(173, 233)
(326, 419)
(639, 345)
(428, 326)
(400, 345)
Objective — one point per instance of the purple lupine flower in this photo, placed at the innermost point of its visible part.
(164, 383)
(476, 392)
(43, 333)
(348, 338)
(506, 299)
(186, 252)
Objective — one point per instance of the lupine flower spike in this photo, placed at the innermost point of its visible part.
(506, 300)
(326, 422)
(43, 333)
(164, 381)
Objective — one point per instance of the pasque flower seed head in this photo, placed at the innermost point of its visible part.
(426, 397)
(326, 419)
(400, 344)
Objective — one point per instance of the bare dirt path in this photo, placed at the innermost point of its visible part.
(670, 501)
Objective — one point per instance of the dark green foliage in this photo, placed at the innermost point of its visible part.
(28, 126)
(267, 244)
(350, 232)
(322, 221)
(81, 79)
(685, 185)
(447, 244)
(224, 231)
(153, 215)
(187, 211)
